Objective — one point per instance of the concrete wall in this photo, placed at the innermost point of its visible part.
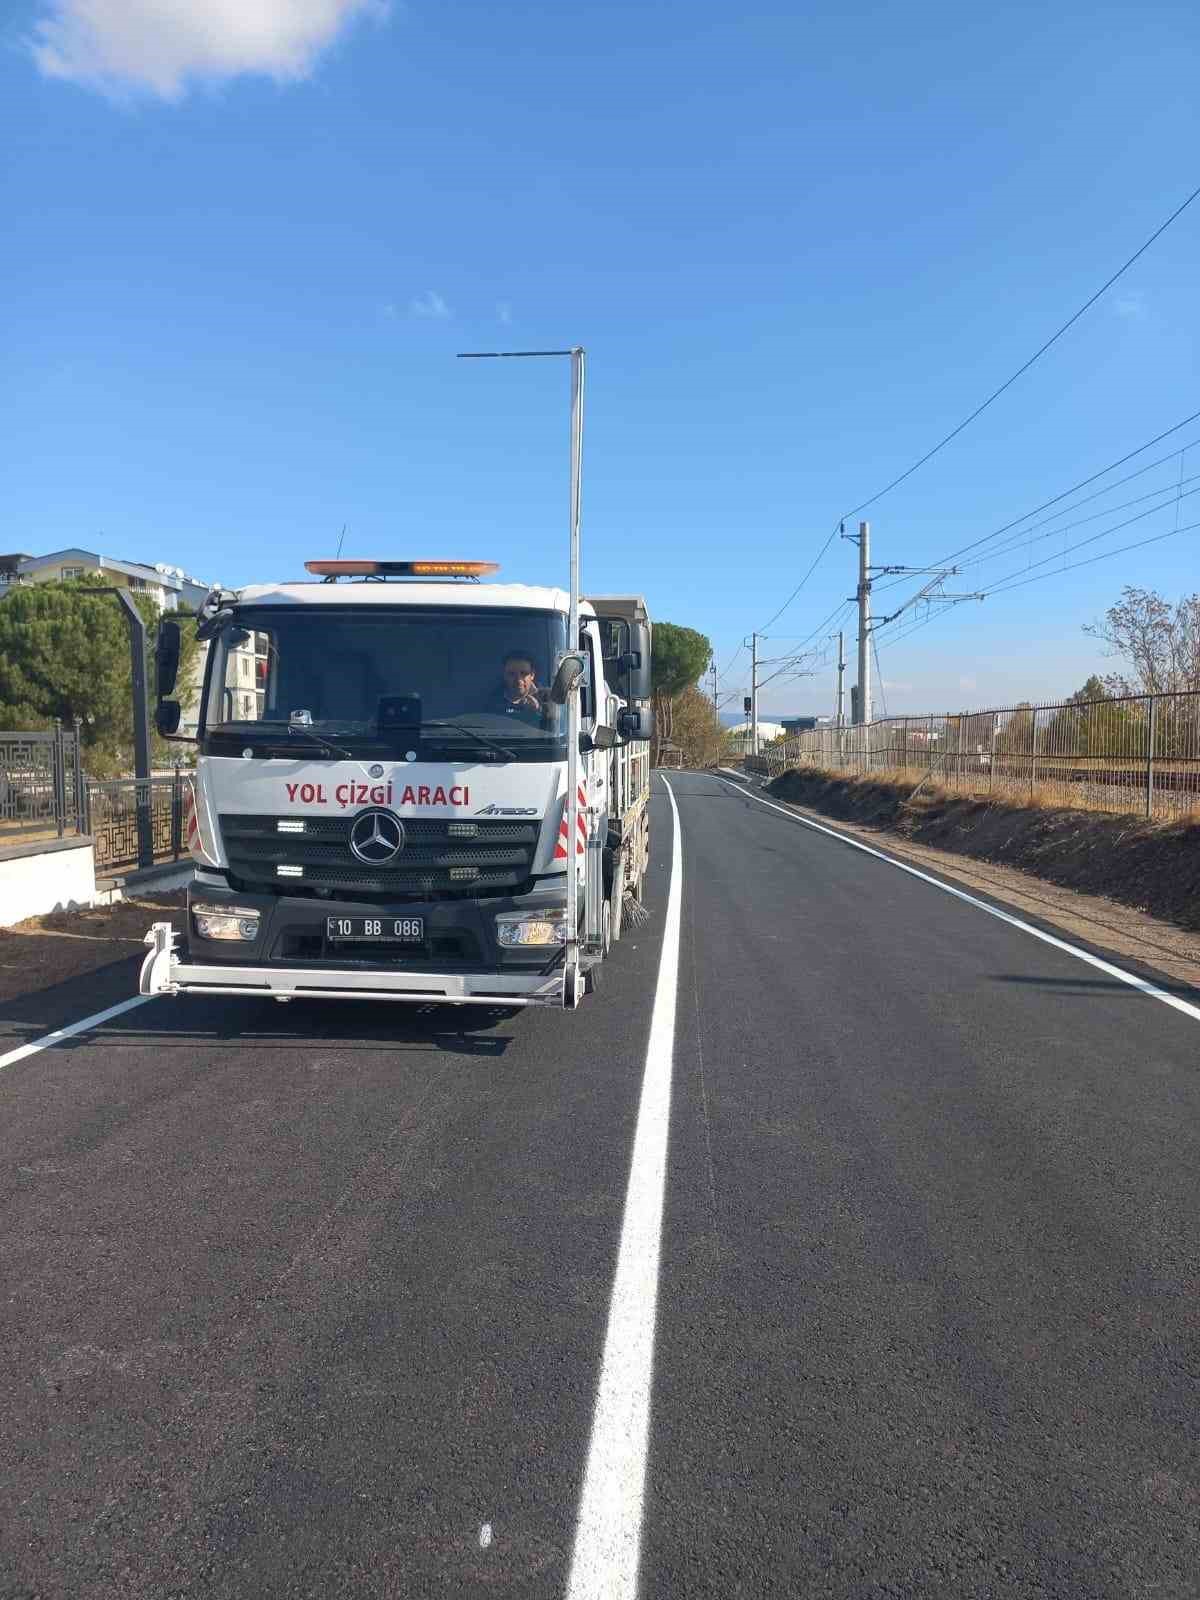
(49, 876)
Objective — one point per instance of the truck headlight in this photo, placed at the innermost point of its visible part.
(225, 922)
(521, 930)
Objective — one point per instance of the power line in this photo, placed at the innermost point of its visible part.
(1022, 577)
(1092, 538)
(1171, 490)
(1008, 382)
(838, 611)
(816, 563)
(1082, 484)
(732, 659)
(1106, 555)
(879, 673)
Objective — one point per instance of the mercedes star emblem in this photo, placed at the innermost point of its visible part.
(376, 836)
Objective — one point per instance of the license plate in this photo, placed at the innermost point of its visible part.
(386, 930)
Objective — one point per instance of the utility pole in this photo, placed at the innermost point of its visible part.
(841, 694)
(864, 622)
(754, 694)
(930, 594)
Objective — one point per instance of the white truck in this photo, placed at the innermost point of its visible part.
(410, 785)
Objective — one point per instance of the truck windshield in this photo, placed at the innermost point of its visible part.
(363, 680)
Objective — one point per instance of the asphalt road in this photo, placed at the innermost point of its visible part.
(313, 1302)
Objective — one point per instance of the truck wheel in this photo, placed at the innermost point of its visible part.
(606, 925)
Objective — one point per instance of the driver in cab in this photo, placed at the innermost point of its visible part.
(518, 694)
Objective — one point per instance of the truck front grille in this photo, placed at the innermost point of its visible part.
(432, 866)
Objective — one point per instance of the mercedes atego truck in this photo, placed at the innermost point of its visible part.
(410, 785)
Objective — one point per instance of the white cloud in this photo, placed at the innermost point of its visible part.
(967, 685)
(898, 688)
(504, 312)
(160, 45)
(430, 304)
(1131, 306)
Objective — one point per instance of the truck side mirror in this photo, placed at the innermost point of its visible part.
(166, 657)
(570, 669)
(636, 722)
(166, 717)
(638, 658)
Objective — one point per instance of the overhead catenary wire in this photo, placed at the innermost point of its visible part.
(1083, 483)
(1021, 577)
(879, 674)
(1025, 366)
(1171, 491)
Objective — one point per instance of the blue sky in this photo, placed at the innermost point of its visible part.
(798, 243)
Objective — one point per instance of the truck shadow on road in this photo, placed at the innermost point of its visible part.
(263, 1025)
(266, 1025)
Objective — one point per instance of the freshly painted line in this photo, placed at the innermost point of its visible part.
(72, 1028)
(608, 1534)
(1134, 982)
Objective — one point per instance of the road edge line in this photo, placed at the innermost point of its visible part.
(608, 1529)
(48, 1040)
(1142, 984)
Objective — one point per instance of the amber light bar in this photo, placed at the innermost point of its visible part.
(401, 569)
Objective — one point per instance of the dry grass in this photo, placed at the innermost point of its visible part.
(1172, 808)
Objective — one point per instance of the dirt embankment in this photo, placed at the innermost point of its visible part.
(1152, 867)
(62, 945)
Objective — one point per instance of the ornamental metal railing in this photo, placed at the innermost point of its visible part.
(42, 790)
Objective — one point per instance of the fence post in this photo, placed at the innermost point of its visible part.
(58, 776)
(177, 815)
(992, 756)
(80, 791)
(1151, 721)
(1032, 750)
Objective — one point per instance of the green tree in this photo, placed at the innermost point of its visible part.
(679, 659)
(64, 652)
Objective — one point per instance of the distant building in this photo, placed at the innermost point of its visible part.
(805, 724)
(741, 737)
(167, 586)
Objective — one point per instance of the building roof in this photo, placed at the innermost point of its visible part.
(167, 577)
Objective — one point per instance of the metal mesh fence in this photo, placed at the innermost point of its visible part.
(1140, 753)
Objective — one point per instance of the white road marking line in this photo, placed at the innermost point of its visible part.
(485, 1535)
(72, 1028)
(1133, 981)
(608, 1533)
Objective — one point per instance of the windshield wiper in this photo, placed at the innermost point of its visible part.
(473, 733)
(297, 732)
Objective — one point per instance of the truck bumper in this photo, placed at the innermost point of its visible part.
(164, 972)
(460, 964)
